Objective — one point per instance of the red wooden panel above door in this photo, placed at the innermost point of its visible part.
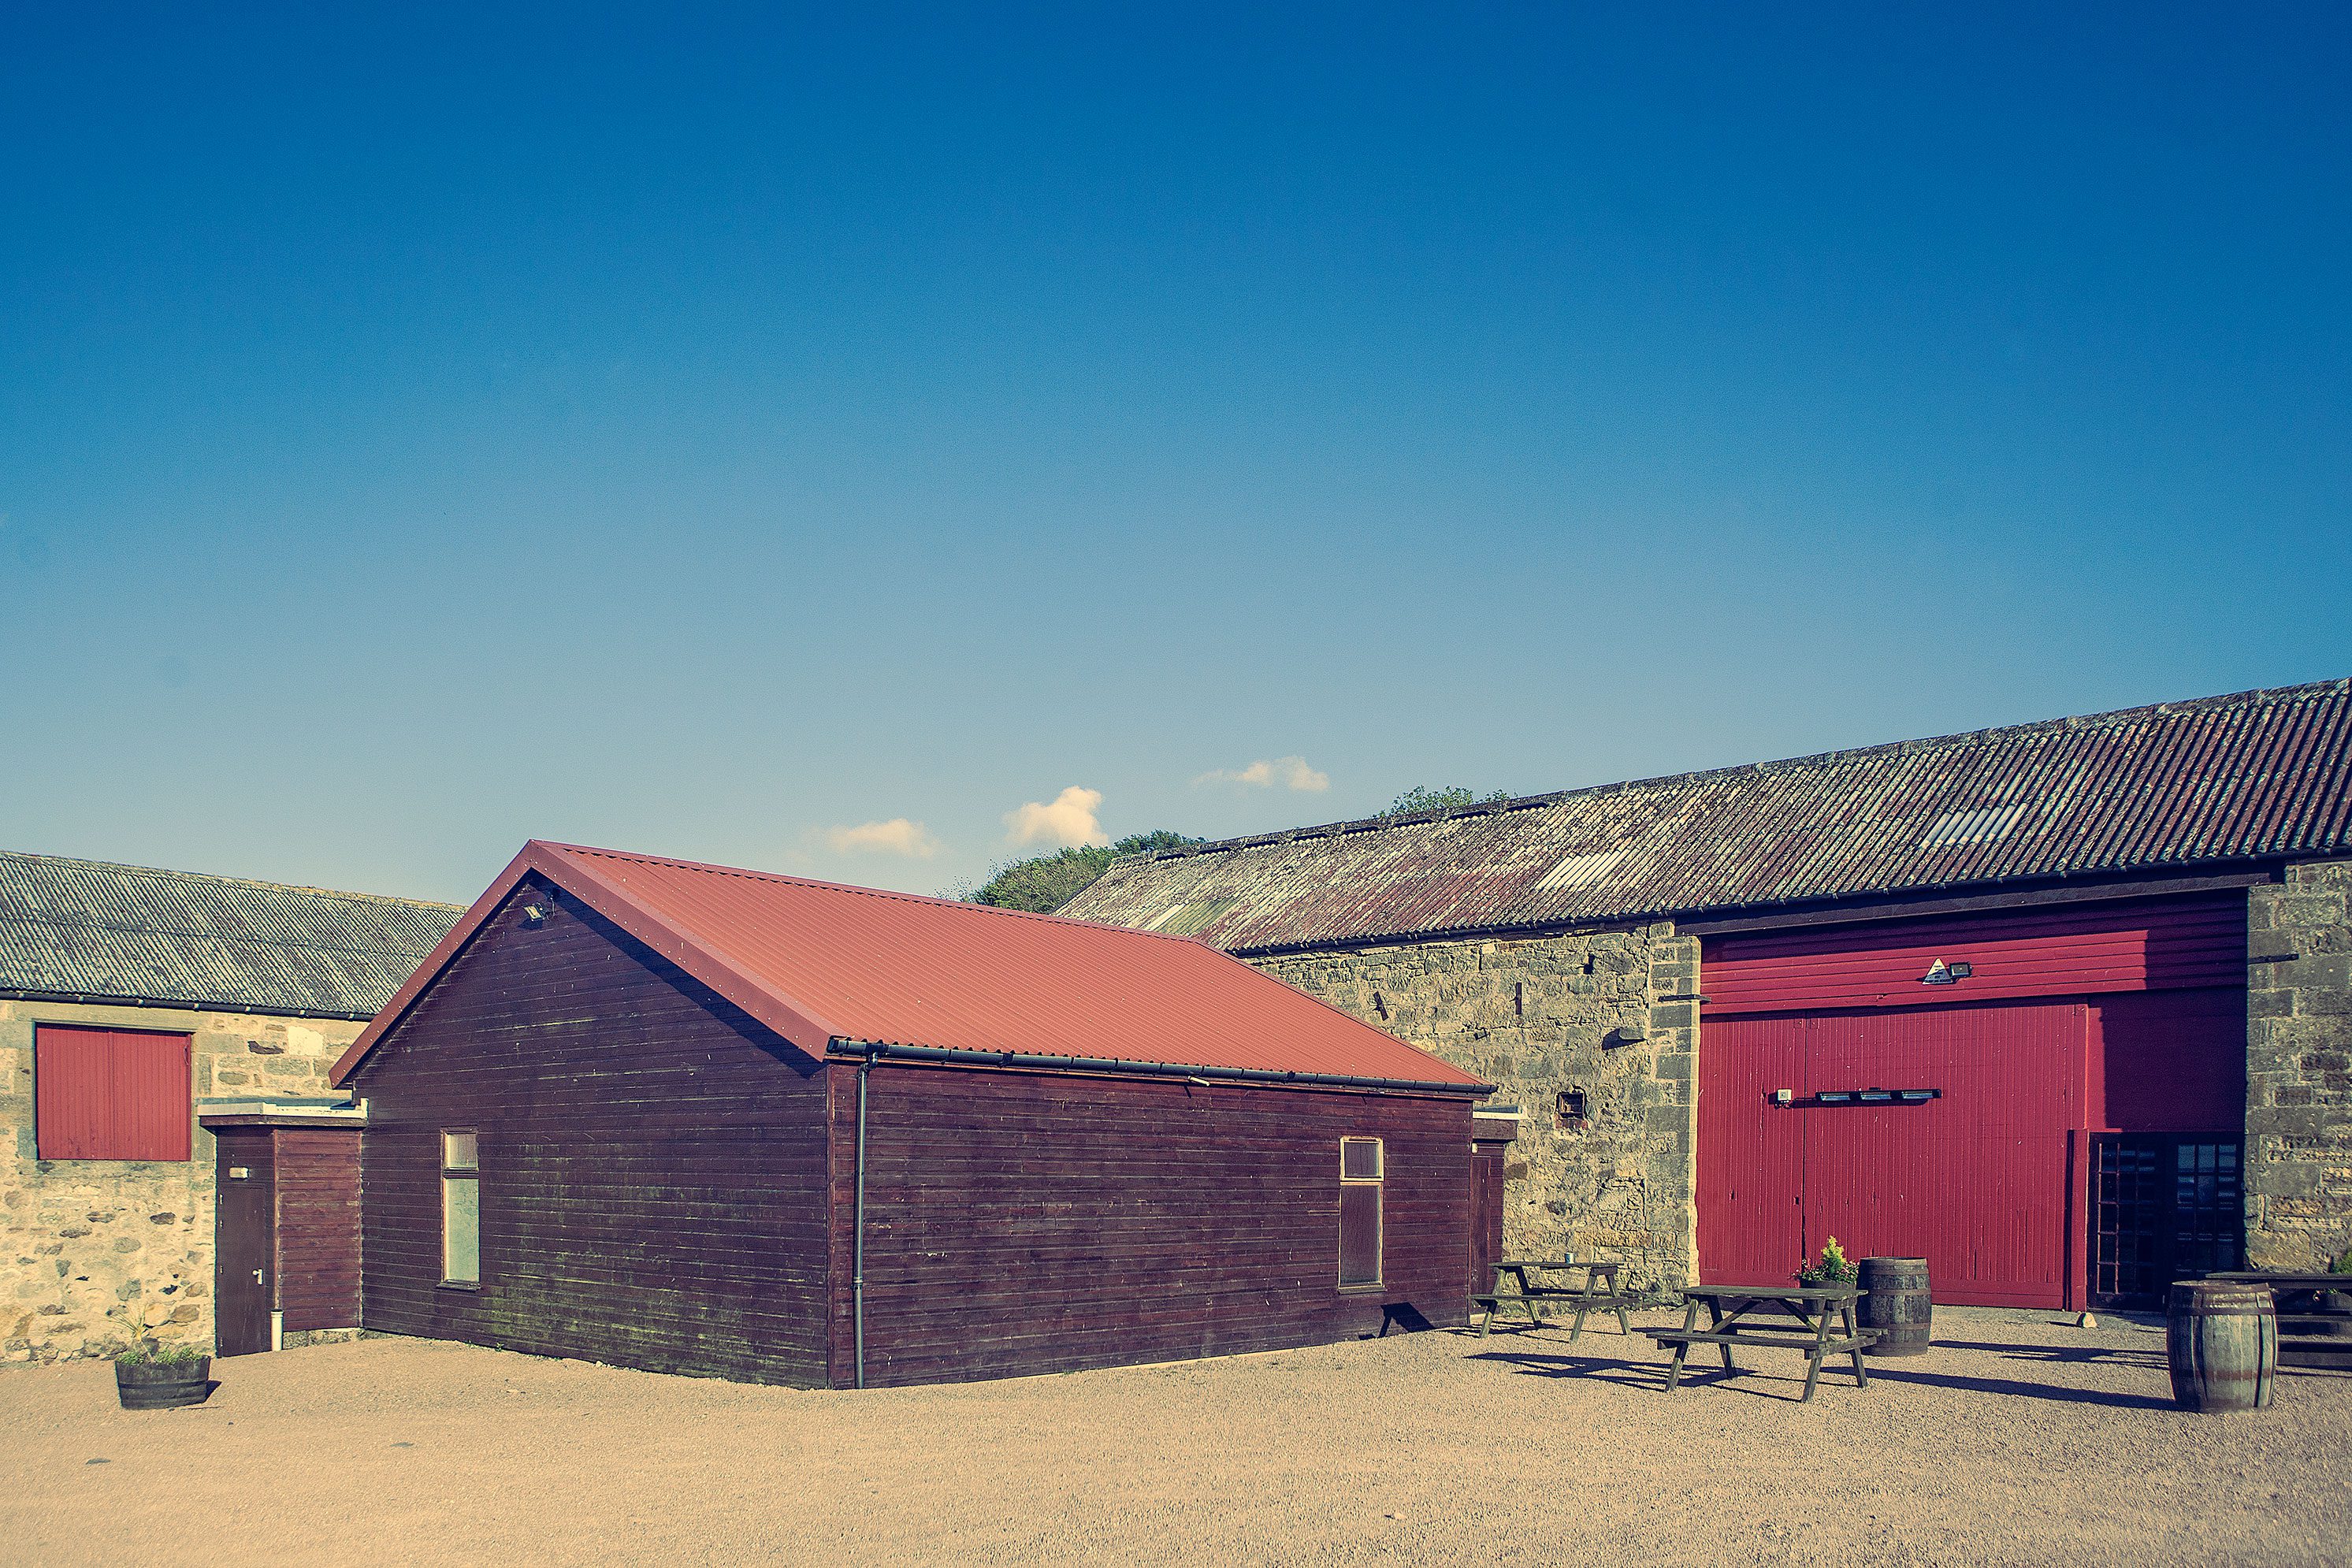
(2074, 950)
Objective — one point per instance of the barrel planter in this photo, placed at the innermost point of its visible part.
(161, 1387)
(1895, 1301)
(2222, 1341)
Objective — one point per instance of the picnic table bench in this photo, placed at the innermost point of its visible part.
(1597, 1292)
(1815, 1309)
(2313, 1328)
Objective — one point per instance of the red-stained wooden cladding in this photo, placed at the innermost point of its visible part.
(667, 1183)
(110, 1094)
(815, 962)
(2149, 944)
(1023, 1223)
(1975, 1181)
(317, 1182)
(653, 1179)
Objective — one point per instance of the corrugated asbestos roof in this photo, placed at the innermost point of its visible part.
(82, 928)
(820, 963)
(2261, 774)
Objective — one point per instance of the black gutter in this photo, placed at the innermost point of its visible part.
(80, 1000)
(870, 1050)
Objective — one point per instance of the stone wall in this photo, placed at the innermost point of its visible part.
(2299, 1070)
(1610, 1016)
(97, 1253)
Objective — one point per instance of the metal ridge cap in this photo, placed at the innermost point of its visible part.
(1570, 924)
(844, 1047)
(177, 1004)
(33, 855)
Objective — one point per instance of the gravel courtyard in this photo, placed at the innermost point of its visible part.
(2019, 1439)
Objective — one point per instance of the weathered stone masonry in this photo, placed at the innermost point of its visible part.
(1611, 1015)
(103, 1252)
(2299, 1069)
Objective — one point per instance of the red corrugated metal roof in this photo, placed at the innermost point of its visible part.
(2259, 775)
(818, 962)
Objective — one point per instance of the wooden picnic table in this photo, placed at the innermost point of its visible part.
(1729, 1322)
(1596, 1292)
(2313, 1330)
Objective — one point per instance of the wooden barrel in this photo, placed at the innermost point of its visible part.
(2223, 1340)
(1894, 1302)
(164, 1387)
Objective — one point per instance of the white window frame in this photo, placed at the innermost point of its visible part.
(453, 1172)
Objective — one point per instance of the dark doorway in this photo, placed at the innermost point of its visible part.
(244, 1245)
(2164, 1206)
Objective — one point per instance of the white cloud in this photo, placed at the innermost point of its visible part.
(1069, 820)
(895, 837)
(1290, 773)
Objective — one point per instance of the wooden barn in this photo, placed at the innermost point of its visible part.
(698, 1120)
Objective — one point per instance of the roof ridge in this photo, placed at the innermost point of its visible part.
(966, 905)
(217, 877)
(2112, 718)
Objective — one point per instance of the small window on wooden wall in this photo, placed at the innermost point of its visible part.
(110, 1094)
(1360, 1170)
(461, 1208)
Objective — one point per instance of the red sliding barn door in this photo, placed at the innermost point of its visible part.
(1973, 1180)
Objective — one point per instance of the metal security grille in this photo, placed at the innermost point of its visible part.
(2163, 1208)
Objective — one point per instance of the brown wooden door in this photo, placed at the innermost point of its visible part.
(1486, 1219)
(244, 1245)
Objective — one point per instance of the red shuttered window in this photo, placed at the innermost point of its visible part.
(110, 1094)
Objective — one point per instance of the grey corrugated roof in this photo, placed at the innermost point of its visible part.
(2257, 775)
(83, 928)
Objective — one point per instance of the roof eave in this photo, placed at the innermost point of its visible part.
(1114, 1067)
(796, 1023)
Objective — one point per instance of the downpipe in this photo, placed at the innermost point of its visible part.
(857, 1264)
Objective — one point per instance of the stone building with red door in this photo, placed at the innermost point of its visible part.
(142, 1011)
(2064, 1007)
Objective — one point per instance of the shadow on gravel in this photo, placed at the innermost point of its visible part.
(2026, 1390)
(2068, 1355)
(1767, 1384)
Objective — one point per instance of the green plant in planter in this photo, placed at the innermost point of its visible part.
(151, 1353)
(1833, 1268)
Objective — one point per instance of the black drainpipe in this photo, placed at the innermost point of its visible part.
(857, 1267)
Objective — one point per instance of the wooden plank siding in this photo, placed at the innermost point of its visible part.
(318, 1263)
(653, 1162)
(1021, 1222)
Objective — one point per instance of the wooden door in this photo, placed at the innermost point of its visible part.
(1974, 1178)
(1486, 1218)
(245, 1244)
(1751, 1151)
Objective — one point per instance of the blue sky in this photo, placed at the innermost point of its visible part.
(421, 432)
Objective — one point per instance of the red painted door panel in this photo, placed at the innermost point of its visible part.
(1974, 1181)
(1751, 1155)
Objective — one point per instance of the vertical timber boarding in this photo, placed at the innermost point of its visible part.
(2082, 1040)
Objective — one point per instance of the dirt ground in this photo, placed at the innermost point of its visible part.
(2020, 1439)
